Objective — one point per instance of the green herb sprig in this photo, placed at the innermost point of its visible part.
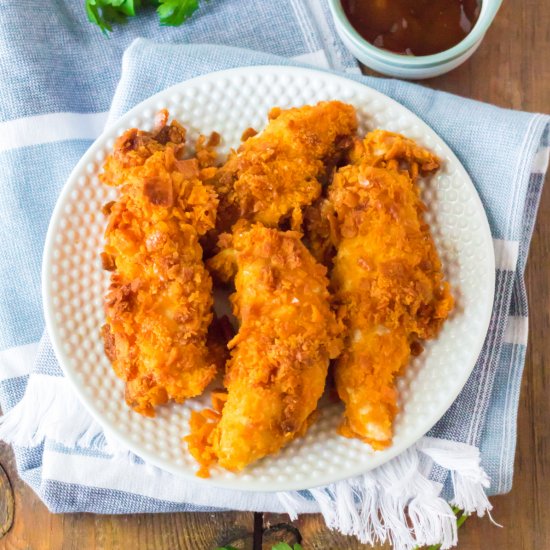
(105, 13)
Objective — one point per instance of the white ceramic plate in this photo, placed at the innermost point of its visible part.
(229, 102)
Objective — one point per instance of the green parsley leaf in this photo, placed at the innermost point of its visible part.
(93, 16)
(128, 7)
(175, 12)
(285, 546)
(105, 12)
(226, 548)
(114, 15)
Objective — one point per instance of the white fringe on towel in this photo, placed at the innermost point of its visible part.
(394, 503)
(468, 477)
(50, 409)
(397, 503)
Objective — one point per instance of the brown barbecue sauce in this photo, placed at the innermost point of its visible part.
(413, 27)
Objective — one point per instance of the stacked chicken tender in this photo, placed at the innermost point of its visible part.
(386, 275)
(322, 237)
(159, 303)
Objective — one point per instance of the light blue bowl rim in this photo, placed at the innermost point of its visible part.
(489, 9)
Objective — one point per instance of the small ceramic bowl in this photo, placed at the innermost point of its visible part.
(409, 66)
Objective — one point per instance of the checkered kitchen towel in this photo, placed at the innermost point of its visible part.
(58, 79)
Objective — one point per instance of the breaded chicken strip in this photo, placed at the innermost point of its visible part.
(387, 276)
(273, 175)
(159, 303)
(280, 355)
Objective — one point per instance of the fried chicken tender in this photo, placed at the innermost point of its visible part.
(387, 276)
(280, 355)
(274, 174)
(159, 303)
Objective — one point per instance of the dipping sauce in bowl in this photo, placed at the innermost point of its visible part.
(413, 27)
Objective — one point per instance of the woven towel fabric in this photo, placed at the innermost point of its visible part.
(59, 79)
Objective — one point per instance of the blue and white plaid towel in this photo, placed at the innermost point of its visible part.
(58, 79)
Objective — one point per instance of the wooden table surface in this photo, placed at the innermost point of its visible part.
(511, 69)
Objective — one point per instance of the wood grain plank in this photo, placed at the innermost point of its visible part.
(6, 503)
(511, 69)
(310, 531)
(35, 528)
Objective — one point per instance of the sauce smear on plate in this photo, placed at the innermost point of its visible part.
(413, 27)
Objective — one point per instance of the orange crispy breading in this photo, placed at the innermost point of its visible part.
(280, 355)
(135, 146)
(159, 303)
(274, 174)
(387, 275)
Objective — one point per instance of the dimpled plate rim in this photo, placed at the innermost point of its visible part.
(363, 458)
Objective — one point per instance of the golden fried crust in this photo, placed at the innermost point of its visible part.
(159, 303)
(280, 355)
(381, 147)
(135, 146)
(387, 276)
(274, 174)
